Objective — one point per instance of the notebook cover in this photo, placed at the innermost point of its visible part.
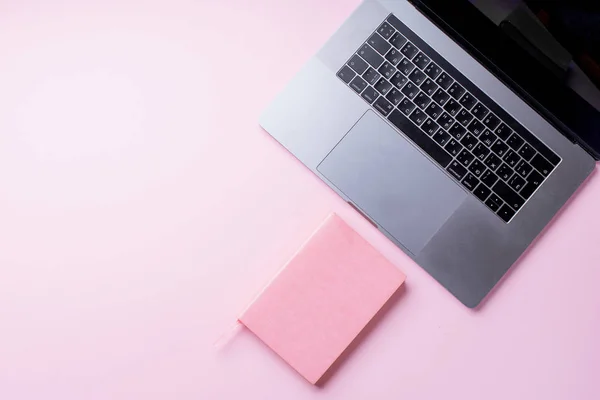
(322, 298)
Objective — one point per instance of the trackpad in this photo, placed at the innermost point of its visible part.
(392, 182)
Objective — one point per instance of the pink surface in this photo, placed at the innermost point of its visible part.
(142, 208)
(323, 298)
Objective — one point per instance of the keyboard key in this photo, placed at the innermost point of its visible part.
(420, 138)
(516, 183)
(358, 64)
(406, 67)
(506, 213)
(456, 90)
(430, 127)
(480, 111)
(440, 97)
(453, 147)
(379, 43)
(346, 74)
(541, 165)
(457, 131)
(387, 70)
(487, 137)
(511, 158)
(370, 95)
(492, 161)
(500, 148)
(383, 86)
(523, 168)
(503, 131)
(489, 178)
(429, 86)
(398, 80)
(445, 121)
(410, 90)
(491, 121)
(386, 30)
(480, 151)
(515, 141)
(527, 152)
(417, 76)
(422, 100)
(370, 56)
(442, 137)
(371, 76)
(492, 204)
(534, 180)
(418, 117)
(383, 106)
(468, 101)
(393, 56)
(470, 182)
(406, 106)
(358, 84)
(465, 158)
(421, 60)
(494, 197)
(394, 96)
(453, 107)
(444, 80)
(508, 195)
(409, 50)
(477, 168)
(541, 148)
(457, 170)
(544, 151)
(398, 40)
(504, 172)
(469, 141)
(476, 127)
(482, 192)
(432, 70)
(464, 117)
(434, 111)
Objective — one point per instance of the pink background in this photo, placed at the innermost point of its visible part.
(142, 207)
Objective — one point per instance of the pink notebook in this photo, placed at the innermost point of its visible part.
(321, 300)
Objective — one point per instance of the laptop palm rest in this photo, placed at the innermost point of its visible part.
(392, 182)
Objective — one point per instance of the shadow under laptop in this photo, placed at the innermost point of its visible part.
(370, 327)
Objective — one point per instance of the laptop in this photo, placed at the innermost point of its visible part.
(428, 145)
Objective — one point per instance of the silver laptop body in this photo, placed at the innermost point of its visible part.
(425, 142)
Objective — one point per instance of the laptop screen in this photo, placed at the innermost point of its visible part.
(559, 34)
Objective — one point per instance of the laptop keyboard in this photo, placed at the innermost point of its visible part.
(461, 129)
